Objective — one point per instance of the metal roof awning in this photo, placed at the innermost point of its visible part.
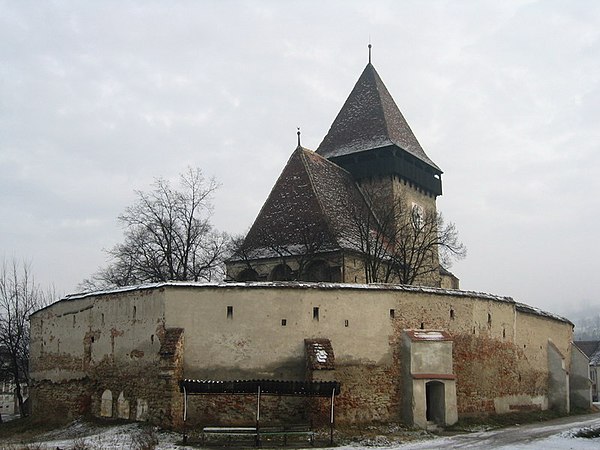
(266, 387)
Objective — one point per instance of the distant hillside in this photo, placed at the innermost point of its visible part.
(587, 323)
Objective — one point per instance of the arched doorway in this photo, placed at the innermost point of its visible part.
(317, 271)
(436, 403)
(248, 275)
(281, 272)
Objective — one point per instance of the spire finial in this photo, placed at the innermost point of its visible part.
(298, 133)
(370, 50)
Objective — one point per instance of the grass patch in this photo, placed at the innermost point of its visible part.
(504, 420)
(26, 428)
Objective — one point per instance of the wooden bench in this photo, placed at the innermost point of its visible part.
(274, 431)
(288, 430)
(229, 431)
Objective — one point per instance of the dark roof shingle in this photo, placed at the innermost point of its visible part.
(313, 199)
(370, 119)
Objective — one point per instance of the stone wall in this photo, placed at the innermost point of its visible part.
(580, 395)
(141, 342)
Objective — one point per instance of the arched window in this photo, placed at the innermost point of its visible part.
(122, 407)
(106, 404)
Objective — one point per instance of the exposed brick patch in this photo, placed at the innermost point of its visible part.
(169, 341)
(136, 354)
(61, 401)
(487, 368)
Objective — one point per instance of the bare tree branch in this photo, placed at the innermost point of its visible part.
(399, 242)
(20, 296)
(168, 236)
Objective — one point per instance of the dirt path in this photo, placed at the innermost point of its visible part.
(513, 437)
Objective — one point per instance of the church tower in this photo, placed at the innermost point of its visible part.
(371, 139)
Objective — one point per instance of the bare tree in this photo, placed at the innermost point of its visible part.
(168, 236)
(366, 235)
(20, 296)
(421, 243)
(399, 242)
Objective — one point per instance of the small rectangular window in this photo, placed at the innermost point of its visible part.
(283, 322)
(392, 313)
(316, 313)
(346, 322)
(230, 312)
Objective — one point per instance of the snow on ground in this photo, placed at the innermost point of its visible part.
(559, 434)
(556, 434)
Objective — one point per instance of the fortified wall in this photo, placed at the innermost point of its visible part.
(394, 349)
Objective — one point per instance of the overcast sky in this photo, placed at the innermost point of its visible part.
(99, 98)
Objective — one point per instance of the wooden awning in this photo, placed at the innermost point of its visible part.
(267, 387)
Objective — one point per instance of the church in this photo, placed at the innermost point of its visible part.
(335, 213)
(312, 324)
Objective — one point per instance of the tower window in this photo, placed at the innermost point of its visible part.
(392, 313)
(346, 322)
(452, 314)
(283, 322)
(316, 313)
(230, 312)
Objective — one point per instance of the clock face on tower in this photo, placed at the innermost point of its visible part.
(418, 215)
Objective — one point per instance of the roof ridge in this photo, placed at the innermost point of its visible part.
(380, 98)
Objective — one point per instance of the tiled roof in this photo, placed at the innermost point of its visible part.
(277, 387)
(591, 349)
(319, 354)
(370, 119)
(428, 335)
(311, 203)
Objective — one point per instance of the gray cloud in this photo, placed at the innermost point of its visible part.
(97, 99)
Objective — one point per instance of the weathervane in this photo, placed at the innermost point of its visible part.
(298, 133)
(370, 49)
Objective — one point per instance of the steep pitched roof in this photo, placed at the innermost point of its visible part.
(591, 350)
(309, 204)
(370, 119)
